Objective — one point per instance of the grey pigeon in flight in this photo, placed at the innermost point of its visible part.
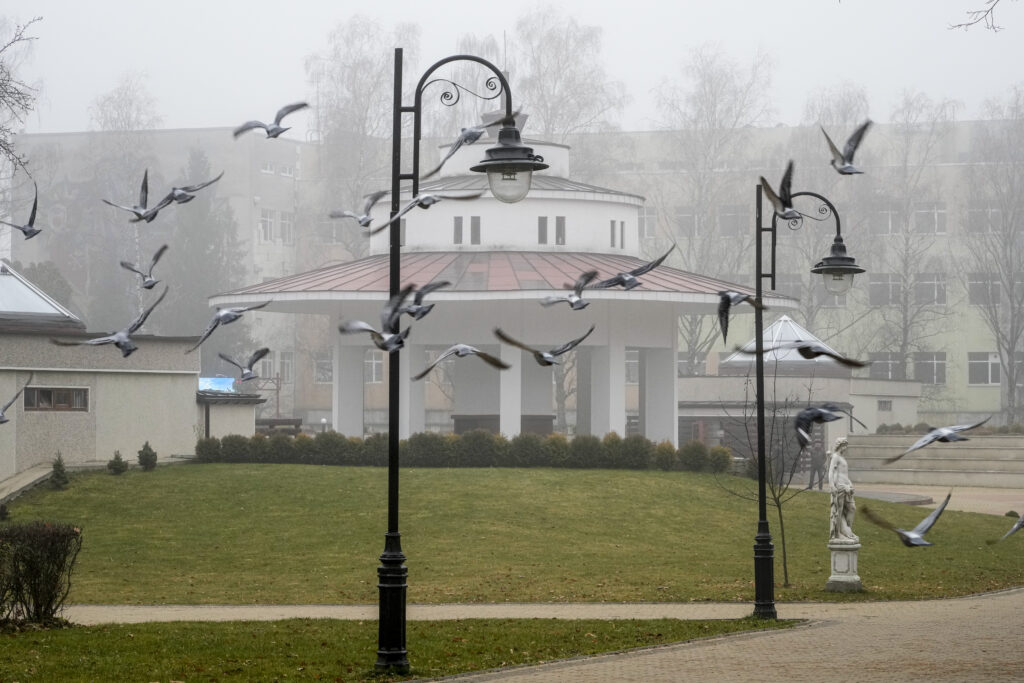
(1016, 525)
(543, 358)
(805, 419)
(147, 276)
(364, 218)
(274, 129)
(783, 201)
(629, 280)
(843, 161)
(810, 351)
(944, 434)
(29, 229)
(224, 316)
(388, 338)
(139, 211)
(575, 297)
(461, 351)
(122, 338)
(423, 201)
(913, 537)
(468, 136)
(183, 195)
(417, 309)
(726, 300)
(3, 410)
(246, 369)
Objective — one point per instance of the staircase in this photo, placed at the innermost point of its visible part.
(996, 461)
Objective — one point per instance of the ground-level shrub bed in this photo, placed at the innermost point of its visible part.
(324, 649)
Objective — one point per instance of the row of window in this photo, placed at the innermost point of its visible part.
(930, 367)
(274, 226)
(886, 289)
(269, 167)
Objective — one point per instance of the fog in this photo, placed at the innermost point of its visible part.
(218, 64)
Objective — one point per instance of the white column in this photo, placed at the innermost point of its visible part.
(660, 395)
(608, 389)
(510, 388)
(415, 390)
(347, 392)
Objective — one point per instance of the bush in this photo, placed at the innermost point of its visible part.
(480, 448)
(147, 458)
(208, 450)
(332, 448)
(427, 449)
(258, 448)
(585, 450)
(234, 448)
(611, 446)
(39, 559)
(280, 449)
(637, 452)
(556, 450)
(117, 464)
(719, 459)
(303, 449)
(666, 457)
(374, 451)
(59, 477)
(527, 450)
(693, 456)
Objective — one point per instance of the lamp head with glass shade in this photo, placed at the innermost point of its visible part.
(837, 268)
(509, 166)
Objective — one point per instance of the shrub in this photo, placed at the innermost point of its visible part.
(40, 557)
(611, 445)
(332, 448)
(921, 428)
(556, 450)
(374, 450)
(585, 450)
(117, 464)
(208, 450)
(666, 457)
(480, 448)
(59, 476)
(258, 448)
(303, 449)
(280, 449)
(693, 456)
(527, 450)
(427, 449)
(719, 459)
(234, 448)
(637, 452)
(147, 458)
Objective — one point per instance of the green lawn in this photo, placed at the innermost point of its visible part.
(306, 534)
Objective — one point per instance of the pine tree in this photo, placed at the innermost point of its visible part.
(59, 478)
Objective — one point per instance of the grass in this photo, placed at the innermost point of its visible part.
(245, 534)
(303, 649)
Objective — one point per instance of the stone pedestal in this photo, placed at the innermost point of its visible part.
(844, 577)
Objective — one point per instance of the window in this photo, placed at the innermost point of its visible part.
(930, 367)
(457, 235)
(930, 218)
(373, 367)
(286, 170)
(686, 222)
(685, 369)
(647, 222)
(265, 225)
(474, 230)
(982, 288)
(886, 365)
(267, 366)
(885, 405)
(884, 221)
(622, 234)
(287, 223)
(267, 167)
(559, 229)
(323, 369)
(285, 361)
(984, 217)
(542, 230)
(930, 288)
(632, 366)
(76, 399)
(982, 367)
(883, 289)
(613, 234)
(733, 220)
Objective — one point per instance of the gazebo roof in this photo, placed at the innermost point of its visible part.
(787, 360)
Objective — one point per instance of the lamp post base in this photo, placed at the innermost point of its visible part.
(764, 573)
(392, 577)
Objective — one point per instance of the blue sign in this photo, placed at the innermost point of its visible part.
(226, 384)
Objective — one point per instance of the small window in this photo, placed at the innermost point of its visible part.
(982, 367)
(613, 234)
(373, 367)
(632, 366)
(474, 230)
(286, 170)
(982, 289)
(886, 365)
(647, 222)
(885, 405)
(884, 289)
(622, 234)
(287, 223)
(457, 235)
(267, 167)
(542, 230)
(323, 369)
(930, 367)
(267, 365)
(52, 398)
(265, 225)
(930, 288)
(285, 363)
(559, 229)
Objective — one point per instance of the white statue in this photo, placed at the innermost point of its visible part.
(843, 506)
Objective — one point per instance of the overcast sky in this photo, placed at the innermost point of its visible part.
(219, 63)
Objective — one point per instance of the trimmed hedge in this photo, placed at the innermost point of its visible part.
(477, 448)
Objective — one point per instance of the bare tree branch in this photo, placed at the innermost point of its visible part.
(985, 15)
(16, 97)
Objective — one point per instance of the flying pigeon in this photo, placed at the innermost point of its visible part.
(29, 229)
(726, 300)
(3, 410)
(810, 351)
(782, 201)
(843, 161)
(629, 280)
(388, 338)
(122, 338)
(147, 276)
(945, 434)
(183, 195)
(574, 298)
(424, 201)
(274, 129)
(224, 316)
(914, 537)
(1016, 525)
(364, 218)
(246, 369)
(544, 358)
(468, 136)
(417, 309)
(140, 212)
(836, 409)
(461, 351)
(805, 419)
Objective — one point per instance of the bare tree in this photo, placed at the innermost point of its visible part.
(984, 15)
(16, 97)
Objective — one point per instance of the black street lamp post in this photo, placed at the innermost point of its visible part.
(838, 270)
(509, 167)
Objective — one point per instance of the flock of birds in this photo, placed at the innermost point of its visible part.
(390, 337)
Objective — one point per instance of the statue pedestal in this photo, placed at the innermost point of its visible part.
(844, 577)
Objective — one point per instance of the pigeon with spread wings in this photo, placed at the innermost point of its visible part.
(423, 200)
(224, 316)
(273, 129)
(29, 229)
(629, 280)
(468, 136)
(843, 161)
(147, 276)
(575, 297)
(364, 219)
(944, 434)
(810, 351)
(185, 194)
(3, 410)
(247, 372)
(122, 338)
(388, 337)
(139, 211)
(1016, 525)
(417, 309)
(543, 358)
(461, 351)
(783, 201)
(726, 300)
(913, 537)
